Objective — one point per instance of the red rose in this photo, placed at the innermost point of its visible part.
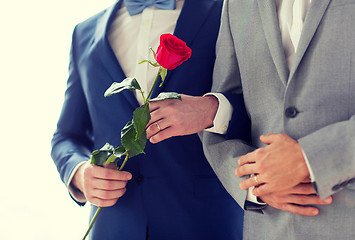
(172, 51)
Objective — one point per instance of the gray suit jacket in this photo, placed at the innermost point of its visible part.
(313, 102)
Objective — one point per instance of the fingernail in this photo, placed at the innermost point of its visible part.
(315, 212)
(128, 176)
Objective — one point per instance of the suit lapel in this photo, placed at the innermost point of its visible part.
(106, 54)
(312, 21)
(268, 13)
(187, 26)
(192, 16)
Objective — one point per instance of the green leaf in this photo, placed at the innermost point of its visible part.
(111, 159)
(156, 64)
(163, 72)
(143, 61)
(108, 148)
(154, 54)
(166, 95)
(119, 151)
(98, 157)
(141, 117)
(127, 84)
(132, 145)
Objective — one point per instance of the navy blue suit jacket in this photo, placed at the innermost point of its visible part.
(174, 192)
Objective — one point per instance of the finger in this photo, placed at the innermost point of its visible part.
(266, 189)
(302, 188)
(251, 182)
(300, 210)
(110, 174)
(105, 202)
(154, 106)
(162, 135)
(306, 180)
(268, 139)
(246, 169)
(108, 195)
(110, 166)
(156, 127)
(108, 185)
(308, 200)
(101, 202)
(156, 115)
(247, 158)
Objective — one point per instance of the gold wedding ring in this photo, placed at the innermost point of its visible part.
(255, 179)
(156, 124)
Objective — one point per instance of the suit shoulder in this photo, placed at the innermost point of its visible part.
(88, 26)
(89, 23)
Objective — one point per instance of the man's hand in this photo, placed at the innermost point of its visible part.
(173, 117)
(297, 200)
(102, 186)
(277, 167)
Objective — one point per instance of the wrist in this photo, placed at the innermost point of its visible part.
(78, 178)
(211, 104)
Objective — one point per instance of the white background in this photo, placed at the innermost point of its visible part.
(35, 38)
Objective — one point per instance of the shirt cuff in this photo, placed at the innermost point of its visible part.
(74, 192)
(223, 115)
(311, 174)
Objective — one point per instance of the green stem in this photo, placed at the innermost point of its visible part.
(142, 95)
(126, 158)
(92, 222)
(124, 162)
(100, 208)
(151, 89)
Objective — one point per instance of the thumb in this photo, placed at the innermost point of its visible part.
(268, 139)
(110, 166)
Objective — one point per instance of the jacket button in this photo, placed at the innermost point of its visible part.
(139, 178)
(291, 112)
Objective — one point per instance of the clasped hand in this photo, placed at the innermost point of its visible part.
(101, 186)
(280, 176)
(172, 117)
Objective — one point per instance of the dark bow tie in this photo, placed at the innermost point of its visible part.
(137, 6)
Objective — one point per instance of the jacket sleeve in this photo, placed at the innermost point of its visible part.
(239, 125)
(72, 140)
(331, 155)
(221, 151)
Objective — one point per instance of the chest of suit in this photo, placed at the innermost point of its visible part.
(319, 87)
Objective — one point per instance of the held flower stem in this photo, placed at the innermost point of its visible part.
(133, 135)
(98, 210)
(151, 89)
(124, 162)
(126, 158)
(92, 222)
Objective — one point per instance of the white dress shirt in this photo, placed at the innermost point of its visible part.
(140, 32)
(291, 14)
